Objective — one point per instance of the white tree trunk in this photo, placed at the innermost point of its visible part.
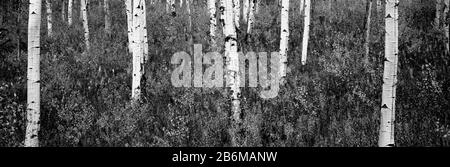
(191, 38)
(129, 11)
(212, 22)
(107, 17)
(85, 23)
(251, 16)
(387, 125)
(367, 41)
(63, 10)
(33, 74)
(237, 13)
(172, 6)
(245, 9)
(284, 38)
(306, 31)
(145, 33)
(181, 4)
(447, 3)
(138, 48)
(302, 7)
(70, 12)
(222, 15)
(232, 65)
(49, 18)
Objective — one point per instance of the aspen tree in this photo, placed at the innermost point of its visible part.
(232, 66)
(70, 12)
(212, 22)
(33, 75)
(181, 4)
(284, 37)
(168, 5)
(107, 17)
(447, 3)
(129, 12)
(63, 10)
(251, 16)
(191, 38)
(222, 14)
(85, 23)
(172, 7)
(302, 7)
(145, 43)
(306, 31)
(245, 9)
(138, 48)
(49, 18)
(367, 41)
(386, 138)
(237, 13)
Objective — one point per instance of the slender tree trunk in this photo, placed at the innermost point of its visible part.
(49, 18)
(63, 10)
(437, 20)
(367, 41)
(129, 11)
(302, 7)
(212, 23)
(232, 67)
(181, 4)
(107, 17)
(190, 28)
(387, 125)
(84, 13)
(172, 7)
(145, 34)
(222, 15)
(306, 30)
(284, 38)
(70, 12)
(138, 50)
(447, 3)
(251, 16)
(237, 13)
(245, 10)
(33, 72)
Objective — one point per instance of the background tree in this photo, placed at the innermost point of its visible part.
(367, 40)
(49, 18)
(70, 12)
(388, 97)
(306, 31)
(84, 13)
(107, 17)
(33, 78)
(284, 38)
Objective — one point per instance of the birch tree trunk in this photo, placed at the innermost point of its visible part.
(70, 12)
(107, 17)
(191, 38)
(49, 18)
(367, 41)
(212, 23)
(144, 4)
(245, 10)
(138, 48)
(437, 20)
(33, 74)
(306, 31)
(447, 3)
(222, 15)
(85, 23)
(302, 7)
(284, 38)
(172, 7)
(63, 10)
(232, 66)
(251, 16)
(129, 12)
(237, 13)
(386, 138)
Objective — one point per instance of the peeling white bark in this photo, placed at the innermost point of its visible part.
(306, 31)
